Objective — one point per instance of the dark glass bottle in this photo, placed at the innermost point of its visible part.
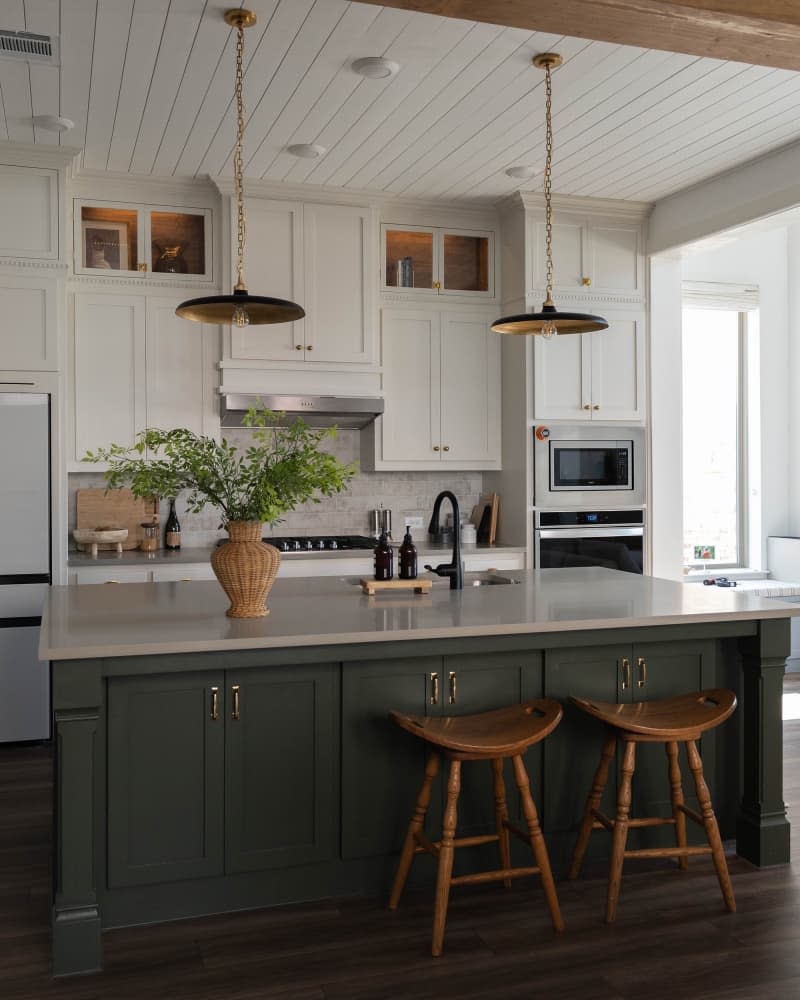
(407, 558)
(172, 535)
(384, 558)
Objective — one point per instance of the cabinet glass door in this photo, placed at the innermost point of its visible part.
(409, 258)
(466, 262)
(178, 242)
(109, 239)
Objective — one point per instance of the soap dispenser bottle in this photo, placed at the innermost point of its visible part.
(384, 558)
(408, 558)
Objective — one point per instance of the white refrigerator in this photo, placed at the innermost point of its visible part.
(24, 563)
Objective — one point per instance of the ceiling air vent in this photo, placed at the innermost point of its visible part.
(30, 47)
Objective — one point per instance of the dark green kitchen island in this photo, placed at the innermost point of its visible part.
(205, 764)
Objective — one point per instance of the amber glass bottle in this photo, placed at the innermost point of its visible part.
(384, 558)
(407, 558)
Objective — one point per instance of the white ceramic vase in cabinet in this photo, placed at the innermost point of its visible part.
(322, 257)
(441, 381)
(592, 376)
(135, 364)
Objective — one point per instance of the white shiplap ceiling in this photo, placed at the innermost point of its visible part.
(149, 86)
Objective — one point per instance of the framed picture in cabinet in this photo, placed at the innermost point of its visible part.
(105, 245)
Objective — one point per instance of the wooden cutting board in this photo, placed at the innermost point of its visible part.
(99, 508)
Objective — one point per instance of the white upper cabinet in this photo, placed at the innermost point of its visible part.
(115, 239)
(29, 212)
(423, 260)
(441, 382)
(591, 255)
(323, 258)
(135, 364)
(29, 308)
(592, 376)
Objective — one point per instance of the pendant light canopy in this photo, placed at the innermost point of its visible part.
(549, 321)
(241, 308)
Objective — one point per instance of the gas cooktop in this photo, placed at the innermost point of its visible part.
(321, 543)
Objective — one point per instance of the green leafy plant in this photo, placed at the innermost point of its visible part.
(280, 470)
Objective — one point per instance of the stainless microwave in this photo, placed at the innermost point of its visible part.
(578, 466)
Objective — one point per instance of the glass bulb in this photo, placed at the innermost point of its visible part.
(549, 330)
(240, 317)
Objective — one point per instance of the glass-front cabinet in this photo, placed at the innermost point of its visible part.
(134, 240)
(442, 261)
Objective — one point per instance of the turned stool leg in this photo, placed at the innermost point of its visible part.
(501, 817)
(676, 798)
(537, 842)
(710, 823)
(414, 827)
(446, 852)
(620, 835)
(592, 803)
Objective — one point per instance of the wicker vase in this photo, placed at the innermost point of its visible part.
(246, 569)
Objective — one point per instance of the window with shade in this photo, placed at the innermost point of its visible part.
(721, 454)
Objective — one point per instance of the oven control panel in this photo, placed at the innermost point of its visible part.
(588, 518)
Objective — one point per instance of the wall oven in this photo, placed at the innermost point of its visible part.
(580, 466)
(611, 538)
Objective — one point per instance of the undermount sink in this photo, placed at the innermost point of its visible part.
(488, 581)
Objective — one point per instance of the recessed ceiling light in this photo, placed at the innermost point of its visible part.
(375, 67)
(53, 123)
(307, 150)
(523, 172)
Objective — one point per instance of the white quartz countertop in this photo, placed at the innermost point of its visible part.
(149, 619)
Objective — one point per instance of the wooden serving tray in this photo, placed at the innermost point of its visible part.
(371, 587)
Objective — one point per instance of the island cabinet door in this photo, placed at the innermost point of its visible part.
(382, 764)
(663, 670)
(282, 766)
(572, 751)
(480, 683)
(165, 778)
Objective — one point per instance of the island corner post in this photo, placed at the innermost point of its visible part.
(80, 733)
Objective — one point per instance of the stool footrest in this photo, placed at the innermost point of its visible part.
(601, 821)
(425, 846)
(493, 876)
(666, 852)
(520, 834)
(604, 823)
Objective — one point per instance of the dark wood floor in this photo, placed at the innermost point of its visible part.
(673, 940)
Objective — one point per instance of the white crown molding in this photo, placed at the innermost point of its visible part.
(26, 154)
(534, 201)
(194, 192)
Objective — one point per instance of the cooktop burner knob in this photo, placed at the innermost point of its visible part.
(284, 546)
(321, 543)
(296, 546)
(334, 544)
(309, 544)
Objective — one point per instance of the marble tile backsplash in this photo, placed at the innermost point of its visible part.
(406, 494)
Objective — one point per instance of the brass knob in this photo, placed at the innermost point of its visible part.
(436, 447)
(142, 267)
(596, 406)
(298, 347)
(310, 347)
(446, 448)
(586, 281)
(586, 406)
(437, 284)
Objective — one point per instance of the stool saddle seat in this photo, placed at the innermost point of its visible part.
(501, 733)
(682, 718)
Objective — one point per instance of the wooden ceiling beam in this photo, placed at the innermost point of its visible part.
(761, 32)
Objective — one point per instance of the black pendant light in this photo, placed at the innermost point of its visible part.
(549, 321)
(241, 308)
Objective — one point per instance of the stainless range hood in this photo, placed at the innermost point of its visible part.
(347, 412)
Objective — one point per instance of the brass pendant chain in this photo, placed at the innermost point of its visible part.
(548, 208)
(241, 222)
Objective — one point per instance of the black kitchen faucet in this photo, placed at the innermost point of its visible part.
(454, 569)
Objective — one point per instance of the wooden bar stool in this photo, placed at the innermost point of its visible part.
(493, 736)
(671, 721)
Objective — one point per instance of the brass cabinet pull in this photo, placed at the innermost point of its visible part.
(235, 706)
(587, 406)
(310, 347)
(626, 673)
(214, 704)
(437, 284)
(641, 663)
(452, 678)
(298, 347)
(596, 406)
(446, 448)
(142, 267)
(586, 281)
(436, 447)
(434, 689)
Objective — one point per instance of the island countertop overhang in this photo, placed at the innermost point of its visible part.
(131, 620)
